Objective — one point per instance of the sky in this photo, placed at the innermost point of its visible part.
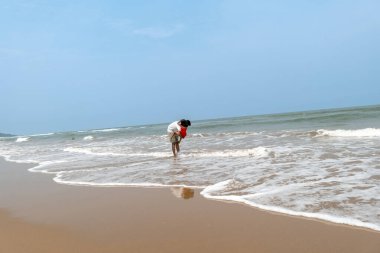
(87, 64)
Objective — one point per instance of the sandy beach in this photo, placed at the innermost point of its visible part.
(39, 215)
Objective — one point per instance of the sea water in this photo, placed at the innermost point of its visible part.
(320, 164)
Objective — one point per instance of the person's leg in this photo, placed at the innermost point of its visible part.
(173, 149)
(177, 146)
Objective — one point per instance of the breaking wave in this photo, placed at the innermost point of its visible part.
(22, 139)
(366, 132)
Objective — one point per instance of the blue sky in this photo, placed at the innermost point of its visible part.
(70, 65)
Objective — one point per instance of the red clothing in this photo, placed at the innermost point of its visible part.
(183, 132)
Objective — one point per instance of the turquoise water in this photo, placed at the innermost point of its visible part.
(320, 164)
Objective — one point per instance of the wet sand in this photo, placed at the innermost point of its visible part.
(38, 215)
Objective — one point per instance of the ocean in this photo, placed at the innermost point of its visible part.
(319, 164)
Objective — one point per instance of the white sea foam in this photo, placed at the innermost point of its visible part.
(367, 132)
(40, 167)
(210, 190)
(9, 159)
(64, 177)
(197, 135)
(254, 152)
(88, 138)
(222, 134)
(22, 139)
(90, 152)
(35, 135)
(145, 185)
(153, 154)
(106, 130)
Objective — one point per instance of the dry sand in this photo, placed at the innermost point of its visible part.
(38, 215)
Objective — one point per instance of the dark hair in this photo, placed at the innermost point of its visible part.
(185, 122)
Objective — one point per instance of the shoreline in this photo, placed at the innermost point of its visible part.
(288, 213)
(120, 219)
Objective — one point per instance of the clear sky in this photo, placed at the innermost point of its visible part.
(84, 64)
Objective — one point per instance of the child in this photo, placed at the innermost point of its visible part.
(176, 132)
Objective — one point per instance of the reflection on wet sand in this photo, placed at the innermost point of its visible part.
(183, 192)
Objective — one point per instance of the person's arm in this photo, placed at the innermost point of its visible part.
(178, 132)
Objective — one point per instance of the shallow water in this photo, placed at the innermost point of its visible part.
(320, 164)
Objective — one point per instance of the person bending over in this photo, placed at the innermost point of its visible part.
(177, 132)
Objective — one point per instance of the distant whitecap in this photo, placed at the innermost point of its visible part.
(88, 138)
(22, 139)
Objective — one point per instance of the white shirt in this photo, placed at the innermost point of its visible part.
(174, 127)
